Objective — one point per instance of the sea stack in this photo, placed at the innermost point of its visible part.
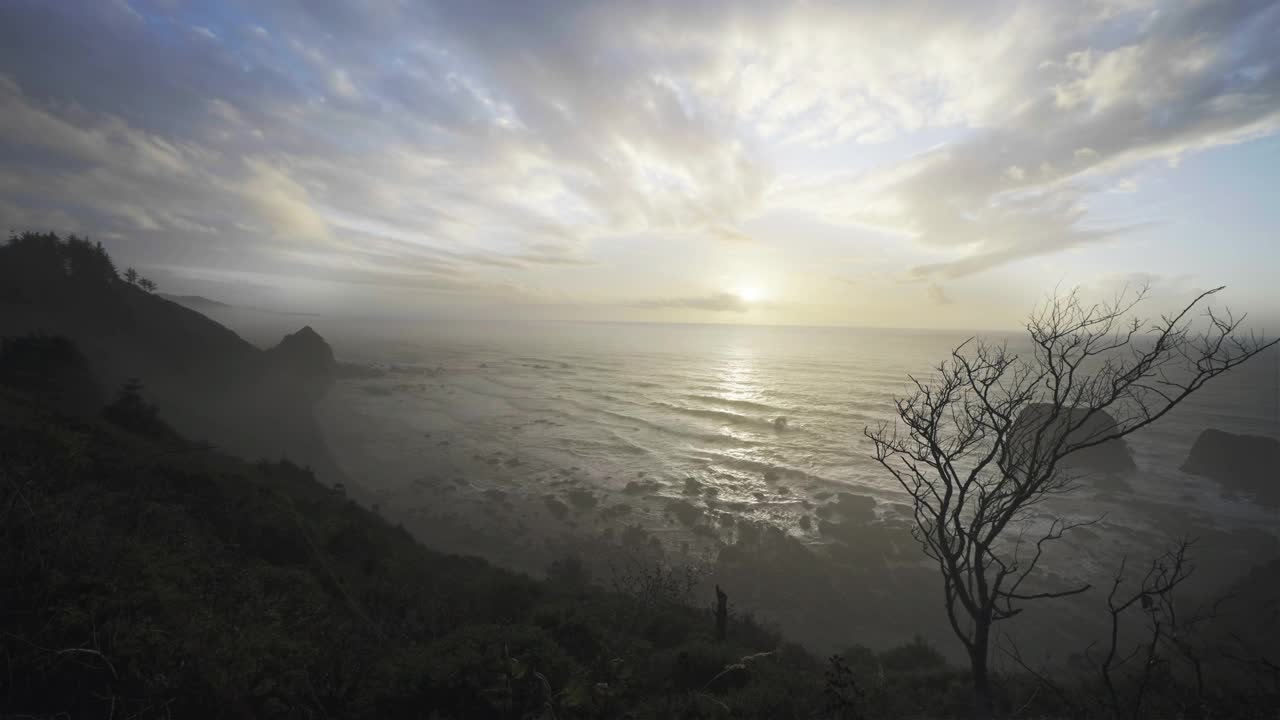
(1111, 456)
(306, 359)
(1240, 463)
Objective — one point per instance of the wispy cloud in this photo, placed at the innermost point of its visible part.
(1169, 79)
(466, 145)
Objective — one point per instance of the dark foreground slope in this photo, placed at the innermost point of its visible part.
(144, 577)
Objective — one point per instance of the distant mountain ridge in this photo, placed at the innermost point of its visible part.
(194, 301)
(202, 303)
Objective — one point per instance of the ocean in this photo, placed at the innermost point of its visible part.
(761, 422)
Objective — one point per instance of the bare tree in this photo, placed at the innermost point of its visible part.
(985, 439)
(1128, 672)
(1155, 597)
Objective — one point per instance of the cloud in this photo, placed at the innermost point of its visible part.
(1125, 185)
(937, 295)
(716, 302)
(282, 202)
(1178, 78)
(1163, 292)
(341, 85)
(481, 141)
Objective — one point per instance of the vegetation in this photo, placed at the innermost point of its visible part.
(132, 277)
(52, 368)
(988, 440)
(130, 411)
(145, 575)
(45, 265)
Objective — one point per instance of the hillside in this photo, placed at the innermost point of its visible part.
(214, 385)
(146, 577)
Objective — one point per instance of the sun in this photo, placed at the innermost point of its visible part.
(749, 293)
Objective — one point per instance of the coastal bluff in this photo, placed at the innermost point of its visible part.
(211, 384)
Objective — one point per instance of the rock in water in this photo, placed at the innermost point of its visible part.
(305, 351)
(304, 357)
(1109, 457)
(1241, 463)
(780, 423)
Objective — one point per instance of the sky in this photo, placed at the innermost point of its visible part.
(910, 164)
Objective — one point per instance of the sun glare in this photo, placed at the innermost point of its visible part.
(749, 293)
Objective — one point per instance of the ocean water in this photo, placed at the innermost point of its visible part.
(690, 412)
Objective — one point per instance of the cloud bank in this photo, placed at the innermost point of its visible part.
(464, 147)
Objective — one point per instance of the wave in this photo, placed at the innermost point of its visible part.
(759, 467)
(669, 430)
(744, 404)
(724, 416)
(595, 449)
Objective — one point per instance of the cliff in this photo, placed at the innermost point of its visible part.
(1241, 463)
(212, 384)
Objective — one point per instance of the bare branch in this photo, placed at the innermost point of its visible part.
(990, 435)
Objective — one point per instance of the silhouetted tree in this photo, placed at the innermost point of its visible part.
(985, 439)
(146, 284)
(131, 276)
(28, 261)
(845, 697)
(1163, 667)
(1154, 597)
(88, 262)
(42, 267)
(130, 411)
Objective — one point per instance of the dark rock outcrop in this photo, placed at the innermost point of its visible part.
(305, 360)
(1111, 456)
(855, 508)
(304, 352)
(1240, 463)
